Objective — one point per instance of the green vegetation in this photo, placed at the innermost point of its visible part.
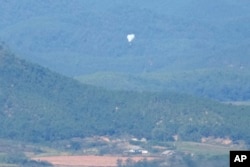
(14, 153)
(38, 105)
(159, 86)
(165, 34)
(18, 159)
(142, 163)
(220, 84)
(204, 149)
(179, 160)
(177, 46)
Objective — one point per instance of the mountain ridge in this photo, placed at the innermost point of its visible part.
(84, 38)
(38, 105)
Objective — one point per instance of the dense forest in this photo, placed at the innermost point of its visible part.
(222, 85)
(39, 105)
(71, 79)
(177, 45)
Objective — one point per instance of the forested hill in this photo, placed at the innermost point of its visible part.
(177, 44)
(82, 37)
(39, 105)
(222, 85)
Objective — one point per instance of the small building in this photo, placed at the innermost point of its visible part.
(168, 152)
(144, 151)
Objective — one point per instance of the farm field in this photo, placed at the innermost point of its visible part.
(205, 148)
(88, 160)
(18, 153)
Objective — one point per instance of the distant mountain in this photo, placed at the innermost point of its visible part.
(223, 85)
(81, 38)
(39, 105)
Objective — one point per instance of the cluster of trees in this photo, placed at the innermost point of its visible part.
(18, 158)
(38, 105)
(180, 160)
(219, 84)
(143, 163)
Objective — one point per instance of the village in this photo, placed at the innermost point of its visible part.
(133, 146)
(108, 151)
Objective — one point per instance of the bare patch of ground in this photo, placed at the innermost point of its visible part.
(88, 161)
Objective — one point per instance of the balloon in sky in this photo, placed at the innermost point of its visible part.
(130, 37)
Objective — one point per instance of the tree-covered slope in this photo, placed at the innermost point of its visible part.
(78, 37)
(224, 85)
(39, 105)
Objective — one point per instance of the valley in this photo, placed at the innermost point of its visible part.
(60, 116)
(124, 83)
(104, 151)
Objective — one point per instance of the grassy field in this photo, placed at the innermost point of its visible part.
(205, 148)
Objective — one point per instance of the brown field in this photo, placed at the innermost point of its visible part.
(87, 161)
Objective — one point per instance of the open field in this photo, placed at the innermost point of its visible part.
(88, 161)
(205, 148)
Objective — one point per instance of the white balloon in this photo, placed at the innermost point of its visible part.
(130, 37)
